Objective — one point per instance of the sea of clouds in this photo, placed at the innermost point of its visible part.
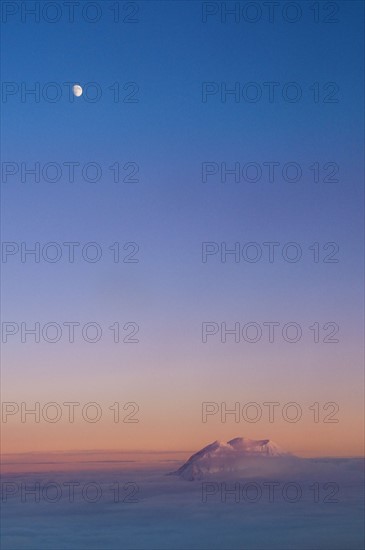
(315, 505)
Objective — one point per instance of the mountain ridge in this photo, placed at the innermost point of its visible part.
(233, 456)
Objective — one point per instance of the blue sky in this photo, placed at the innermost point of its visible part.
(169, 133)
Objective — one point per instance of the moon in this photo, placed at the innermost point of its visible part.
(77, 90)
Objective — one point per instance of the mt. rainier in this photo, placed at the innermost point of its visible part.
(237, 455)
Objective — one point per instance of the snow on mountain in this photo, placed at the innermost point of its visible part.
(234, 456)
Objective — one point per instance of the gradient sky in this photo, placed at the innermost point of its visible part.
(169, 132)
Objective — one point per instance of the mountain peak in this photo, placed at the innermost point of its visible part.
(219, 457)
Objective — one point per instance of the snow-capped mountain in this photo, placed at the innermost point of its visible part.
(234, 456)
